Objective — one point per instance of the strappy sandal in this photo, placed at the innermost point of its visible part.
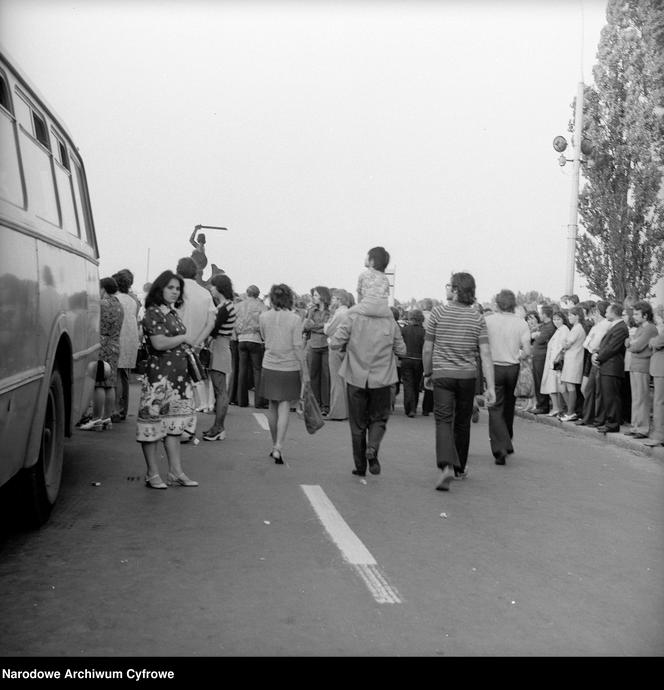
(155, 482)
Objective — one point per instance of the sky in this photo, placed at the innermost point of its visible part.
(316, 130)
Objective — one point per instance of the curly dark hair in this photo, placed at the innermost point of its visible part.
(109, 284)
(281, 296)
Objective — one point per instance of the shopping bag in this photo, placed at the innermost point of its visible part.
(525, 384)
(308, 409)
(196, 370)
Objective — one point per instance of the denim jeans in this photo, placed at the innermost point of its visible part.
(453, 408)
(251, 355)
(319, 372)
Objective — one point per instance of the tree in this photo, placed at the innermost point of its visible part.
(621, 253)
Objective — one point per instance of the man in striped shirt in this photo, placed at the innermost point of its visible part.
(455, 334)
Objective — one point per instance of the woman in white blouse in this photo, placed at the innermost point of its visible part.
(572, 372)
(551, 384)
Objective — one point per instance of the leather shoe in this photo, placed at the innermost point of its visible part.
(374, 465)
(357, 473)
(637, 435)
(579, 422)
(500, 460)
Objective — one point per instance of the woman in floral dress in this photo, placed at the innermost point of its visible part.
(166, 407)
(105, 371)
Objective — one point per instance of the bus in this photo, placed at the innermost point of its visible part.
(49, 293)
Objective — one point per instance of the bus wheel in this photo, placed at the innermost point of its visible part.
(43, 479)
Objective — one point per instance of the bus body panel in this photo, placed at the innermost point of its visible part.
(49, 281)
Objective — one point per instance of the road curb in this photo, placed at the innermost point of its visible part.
(617, 439)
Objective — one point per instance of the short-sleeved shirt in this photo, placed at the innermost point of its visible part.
(372, 283)
(456, 331)
(507, 333)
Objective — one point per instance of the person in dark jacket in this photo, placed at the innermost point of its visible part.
(611, 361)
(540, 340)
(411, 362)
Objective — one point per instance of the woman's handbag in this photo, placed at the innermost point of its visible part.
(205, 357)
(308, 409)
(142, 358)
(525, 384)
(559, 361)
(197, 371)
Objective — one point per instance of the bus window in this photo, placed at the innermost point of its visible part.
(4, 94)
(37, 165)
(65, 189)
(11, 188)
(82, 208)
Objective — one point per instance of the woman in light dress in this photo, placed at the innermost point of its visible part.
(572, 372)
(342, 300)
(551, 384)
(129, 342)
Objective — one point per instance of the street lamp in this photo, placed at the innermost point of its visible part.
(579, 144)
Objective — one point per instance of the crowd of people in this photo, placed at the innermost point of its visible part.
(587, 363)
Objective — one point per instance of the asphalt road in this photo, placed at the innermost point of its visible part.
(559, 553)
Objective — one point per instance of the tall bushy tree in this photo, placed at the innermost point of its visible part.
(621, 253)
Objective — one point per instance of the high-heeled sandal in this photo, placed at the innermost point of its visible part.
(181, 480)
(278, 457)
(155, 482)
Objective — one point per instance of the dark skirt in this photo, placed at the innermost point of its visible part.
(280, 385)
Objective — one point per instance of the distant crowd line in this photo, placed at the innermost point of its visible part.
(587, 363)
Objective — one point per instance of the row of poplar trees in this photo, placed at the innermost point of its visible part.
(621, 204)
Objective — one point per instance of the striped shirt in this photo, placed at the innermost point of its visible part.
(456, 331)
(225, 320)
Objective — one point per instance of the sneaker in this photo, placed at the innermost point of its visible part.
(214, 436)
(568, 418)
(93, 425)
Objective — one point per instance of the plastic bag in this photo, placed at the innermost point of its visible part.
(308, 409)
(525, 384)
(196, 370)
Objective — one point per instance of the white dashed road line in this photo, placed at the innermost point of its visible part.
(352, 549)
(262, 420)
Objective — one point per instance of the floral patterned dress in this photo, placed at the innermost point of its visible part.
(166, 404)
(110, 324)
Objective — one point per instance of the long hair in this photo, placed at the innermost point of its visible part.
(562, 315)
(325, 296)
(156, 295)
(464, 283)
(223, 284)
(124, 279)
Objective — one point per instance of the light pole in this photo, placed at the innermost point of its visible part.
(579, 146)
